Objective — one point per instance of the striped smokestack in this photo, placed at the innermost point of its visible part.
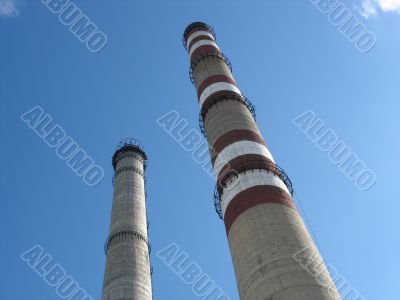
(254, 196)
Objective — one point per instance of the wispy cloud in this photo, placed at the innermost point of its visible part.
(9, 8)
(370, 8)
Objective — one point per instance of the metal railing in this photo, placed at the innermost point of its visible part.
(243, 168)
(122, 235)
(218, 55)
(129, 144)
(226, 97)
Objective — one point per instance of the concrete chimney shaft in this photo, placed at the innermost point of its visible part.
(127, 274)
(254, 196)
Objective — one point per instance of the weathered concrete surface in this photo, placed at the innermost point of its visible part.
(263, 241)
(226, 116)
(210, 66)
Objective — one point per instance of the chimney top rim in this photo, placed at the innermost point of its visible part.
(193, 25)
(128, 144)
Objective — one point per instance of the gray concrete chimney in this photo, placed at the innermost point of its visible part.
(127, 273)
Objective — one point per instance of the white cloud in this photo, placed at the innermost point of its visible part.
(9, 8)
(390, 5)
(369, 8)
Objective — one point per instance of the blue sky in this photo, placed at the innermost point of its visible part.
(287, 58)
